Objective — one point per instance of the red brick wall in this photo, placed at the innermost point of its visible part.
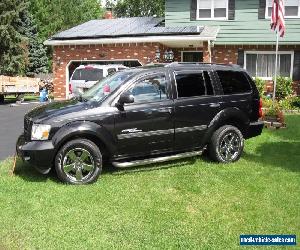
(62, 55)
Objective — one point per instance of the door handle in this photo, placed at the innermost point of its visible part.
(214, 105)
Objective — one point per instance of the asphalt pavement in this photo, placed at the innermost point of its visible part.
(11, 126)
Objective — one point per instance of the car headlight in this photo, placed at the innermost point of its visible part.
(40, 132)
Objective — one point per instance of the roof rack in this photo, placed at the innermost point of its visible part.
(200, 63)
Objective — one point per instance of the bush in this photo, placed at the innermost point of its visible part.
(285, 104)
(260, 84)
(295, 102)
(273, 109)
(290, 103)
(283, 87)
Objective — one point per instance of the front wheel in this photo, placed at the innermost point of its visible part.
(78, 162)
(226, 145)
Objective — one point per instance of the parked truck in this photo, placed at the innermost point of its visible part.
(17, 86)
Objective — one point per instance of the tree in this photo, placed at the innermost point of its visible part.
(37, 59)
(12, 43)
(132, 8)
(58, 15)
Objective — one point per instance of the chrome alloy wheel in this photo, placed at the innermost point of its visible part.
(230, 146)
(78, 164)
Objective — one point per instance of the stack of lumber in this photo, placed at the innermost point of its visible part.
(15, 85)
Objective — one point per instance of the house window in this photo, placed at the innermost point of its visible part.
(292, 8)
(191, 56)
(262, 64)
(212, 9)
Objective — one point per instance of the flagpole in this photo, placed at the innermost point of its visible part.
(276, 63)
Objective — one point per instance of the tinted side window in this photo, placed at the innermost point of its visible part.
(191, 84)
(150, 89)
(233, 82)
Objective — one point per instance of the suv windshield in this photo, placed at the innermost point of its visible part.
(88, 74)
(106, 86)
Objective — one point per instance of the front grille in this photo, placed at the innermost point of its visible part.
(27, 128)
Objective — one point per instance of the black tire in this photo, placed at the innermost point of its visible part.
(1, 98)
(78, 162)
(226, 144)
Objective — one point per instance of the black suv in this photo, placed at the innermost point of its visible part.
(144, 115)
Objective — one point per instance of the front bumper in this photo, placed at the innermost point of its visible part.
(40, 154)
(255, 129)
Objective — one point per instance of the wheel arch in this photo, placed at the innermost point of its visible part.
(85, 130)
(229, 116)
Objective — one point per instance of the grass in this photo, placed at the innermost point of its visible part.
(27, 98)
(188, 204)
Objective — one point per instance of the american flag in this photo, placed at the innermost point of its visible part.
(277, 18)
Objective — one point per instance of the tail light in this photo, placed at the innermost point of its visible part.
(260, 112)
(70, 88)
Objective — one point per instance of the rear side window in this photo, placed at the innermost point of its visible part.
(88, 74)
(233, 82)
(193, 84)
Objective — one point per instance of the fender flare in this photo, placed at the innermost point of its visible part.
(232, 116)
(84, 128)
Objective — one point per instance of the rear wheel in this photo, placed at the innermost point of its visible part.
(78, 162)
(226, 145)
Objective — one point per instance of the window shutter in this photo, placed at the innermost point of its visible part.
(240, 59)
(193, 10)
(296, 67)
(231, 10)
(262, 9)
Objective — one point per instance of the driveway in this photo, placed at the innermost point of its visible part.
(11, 126)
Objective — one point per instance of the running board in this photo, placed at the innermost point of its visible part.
(155, 160)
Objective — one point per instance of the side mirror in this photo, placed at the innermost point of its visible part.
(125, 97)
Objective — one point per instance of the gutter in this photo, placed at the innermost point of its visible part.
(145, 39)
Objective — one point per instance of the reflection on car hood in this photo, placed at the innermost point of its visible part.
(56, 109)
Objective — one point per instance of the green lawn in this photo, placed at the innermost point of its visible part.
(27, 98)
(188, 204)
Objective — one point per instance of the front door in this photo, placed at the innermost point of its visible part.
(146, 126)
(195, 107)
(192, 56)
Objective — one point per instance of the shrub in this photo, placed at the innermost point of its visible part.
(290, 103)
(273, 109)
(295, 102)
(266, 102)
(285, 104)
(260, 84)
(283, 87)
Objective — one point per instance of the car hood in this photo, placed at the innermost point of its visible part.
(57, 109)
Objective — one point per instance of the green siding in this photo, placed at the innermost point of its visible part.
(245, 29)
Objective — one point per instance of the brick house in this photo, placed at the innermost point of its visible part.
(130, 41)
(219, 31)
